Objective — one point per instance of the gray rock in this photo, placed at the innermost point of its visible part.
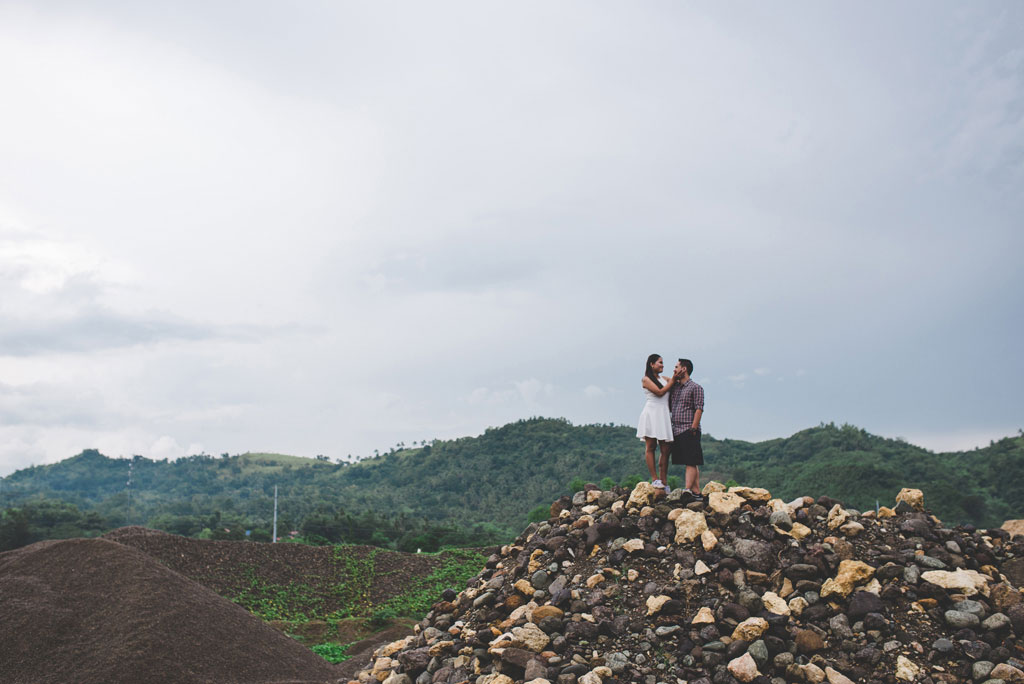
(540, 580)
(953, 547)
(959, 619)
(783, 660)
(758, 650)
(943, 645)
(617, 661)
(666, 630)
(996, 622)
(981, 669)
(911, 574)
(781, 519)
(840, 626)
(930, 563)
(756, 555)
(975, 608)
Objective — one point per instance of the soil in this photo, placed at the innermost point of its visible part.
(230, 567)
(94, 610)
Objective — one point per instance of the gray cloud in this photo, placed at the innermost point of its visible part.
(329, 228)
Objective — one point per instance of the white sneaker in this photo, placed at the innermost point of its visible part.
(658, 484)
(668, 490)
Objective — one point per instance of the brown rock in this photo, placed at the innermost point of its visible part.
(808, 641)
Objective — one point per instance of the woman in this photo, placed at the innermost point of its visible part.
(655, 425)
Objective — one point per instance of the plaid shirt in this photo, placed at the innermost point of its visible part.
(683, 402)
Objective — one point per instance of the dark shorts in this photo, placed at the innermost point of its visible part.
(686, 450)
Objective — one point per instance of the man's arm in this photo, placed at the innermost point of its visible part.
(698, 400)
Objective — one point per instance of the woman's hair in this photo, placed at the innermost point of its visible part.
(649, 372)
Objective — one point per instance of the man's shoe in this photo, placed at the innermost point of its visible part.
(686, 497)
(658, 484)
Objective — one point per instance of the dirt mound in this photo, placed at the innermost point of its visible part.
(93, 610)
(637, 586)
(354, 579)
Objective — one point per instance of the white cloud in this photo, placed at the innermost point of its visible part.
(441, 223)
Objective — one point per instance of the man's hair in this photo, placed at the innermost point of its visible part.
(687, 364)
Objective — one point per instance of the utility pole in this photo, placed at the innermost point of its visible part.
(273, 539)
(129, 485)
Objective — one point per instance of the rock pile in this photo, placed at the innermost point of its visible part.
(93, 611)
(637, 586)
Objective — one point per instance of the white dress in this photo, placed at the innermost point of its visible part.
(655, 420)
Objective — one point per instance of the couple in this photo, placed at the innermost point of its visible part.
(671, 420)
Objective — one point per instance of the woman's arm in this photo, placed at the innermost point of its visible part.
(654, 389)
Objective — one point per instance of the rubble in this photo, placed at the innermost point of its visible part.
(640, 586)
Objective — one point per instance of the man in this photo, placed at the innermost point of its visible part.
(686, 403)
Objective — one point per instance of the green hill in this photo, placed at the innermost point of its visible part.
(479, 490)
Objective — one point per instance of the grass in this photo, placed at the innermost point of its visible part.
(332, 652)
(294, 602)
(299, 602)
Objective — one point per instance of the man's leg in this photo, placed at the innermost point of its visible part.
(693, 479)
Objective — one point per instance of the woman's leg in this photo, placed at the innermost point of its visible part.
(666, 449)
(649, 454)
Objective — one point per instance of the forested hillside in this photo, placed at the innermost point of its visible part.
(479, 490)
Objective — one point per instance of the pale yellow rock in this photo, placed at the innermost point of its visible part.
(743, 668)
(750, 629)
(654, 603)
(799, 530)
(704, 616)
(1014, 527)
(524, 587)
(539, 680)
(689, 525)
(836, 677)
(851, 528)
(593, 495)
(632, 574)
(774, 603)
(837, 516)
(885, 512)
(589, 678)
(674, 513)
(440, 647)
(712, 486)
(700, 568)
(567, 514)
(382, 668)
(906, 670)
(812, 673)
(725, 502)
(969, 582)
(591, 509)
(874, 586)
(495, 679)
(396, 678)
(634, 545)
(646, 511)
(778, 505)
(752, 493)
(787, 587)
(393, 647)
(850, 574)
(781, 531)
(797, 605)
(535, 561)
(594, 580)
(1007, 673)
(867, 514)
(581, 522)
(529, 637)
(708, 540)
(914, 497)
(602, 671)
(618, 505)
(642, 494)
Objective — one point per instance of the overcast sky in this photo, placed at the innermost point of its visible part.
(328, 227)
